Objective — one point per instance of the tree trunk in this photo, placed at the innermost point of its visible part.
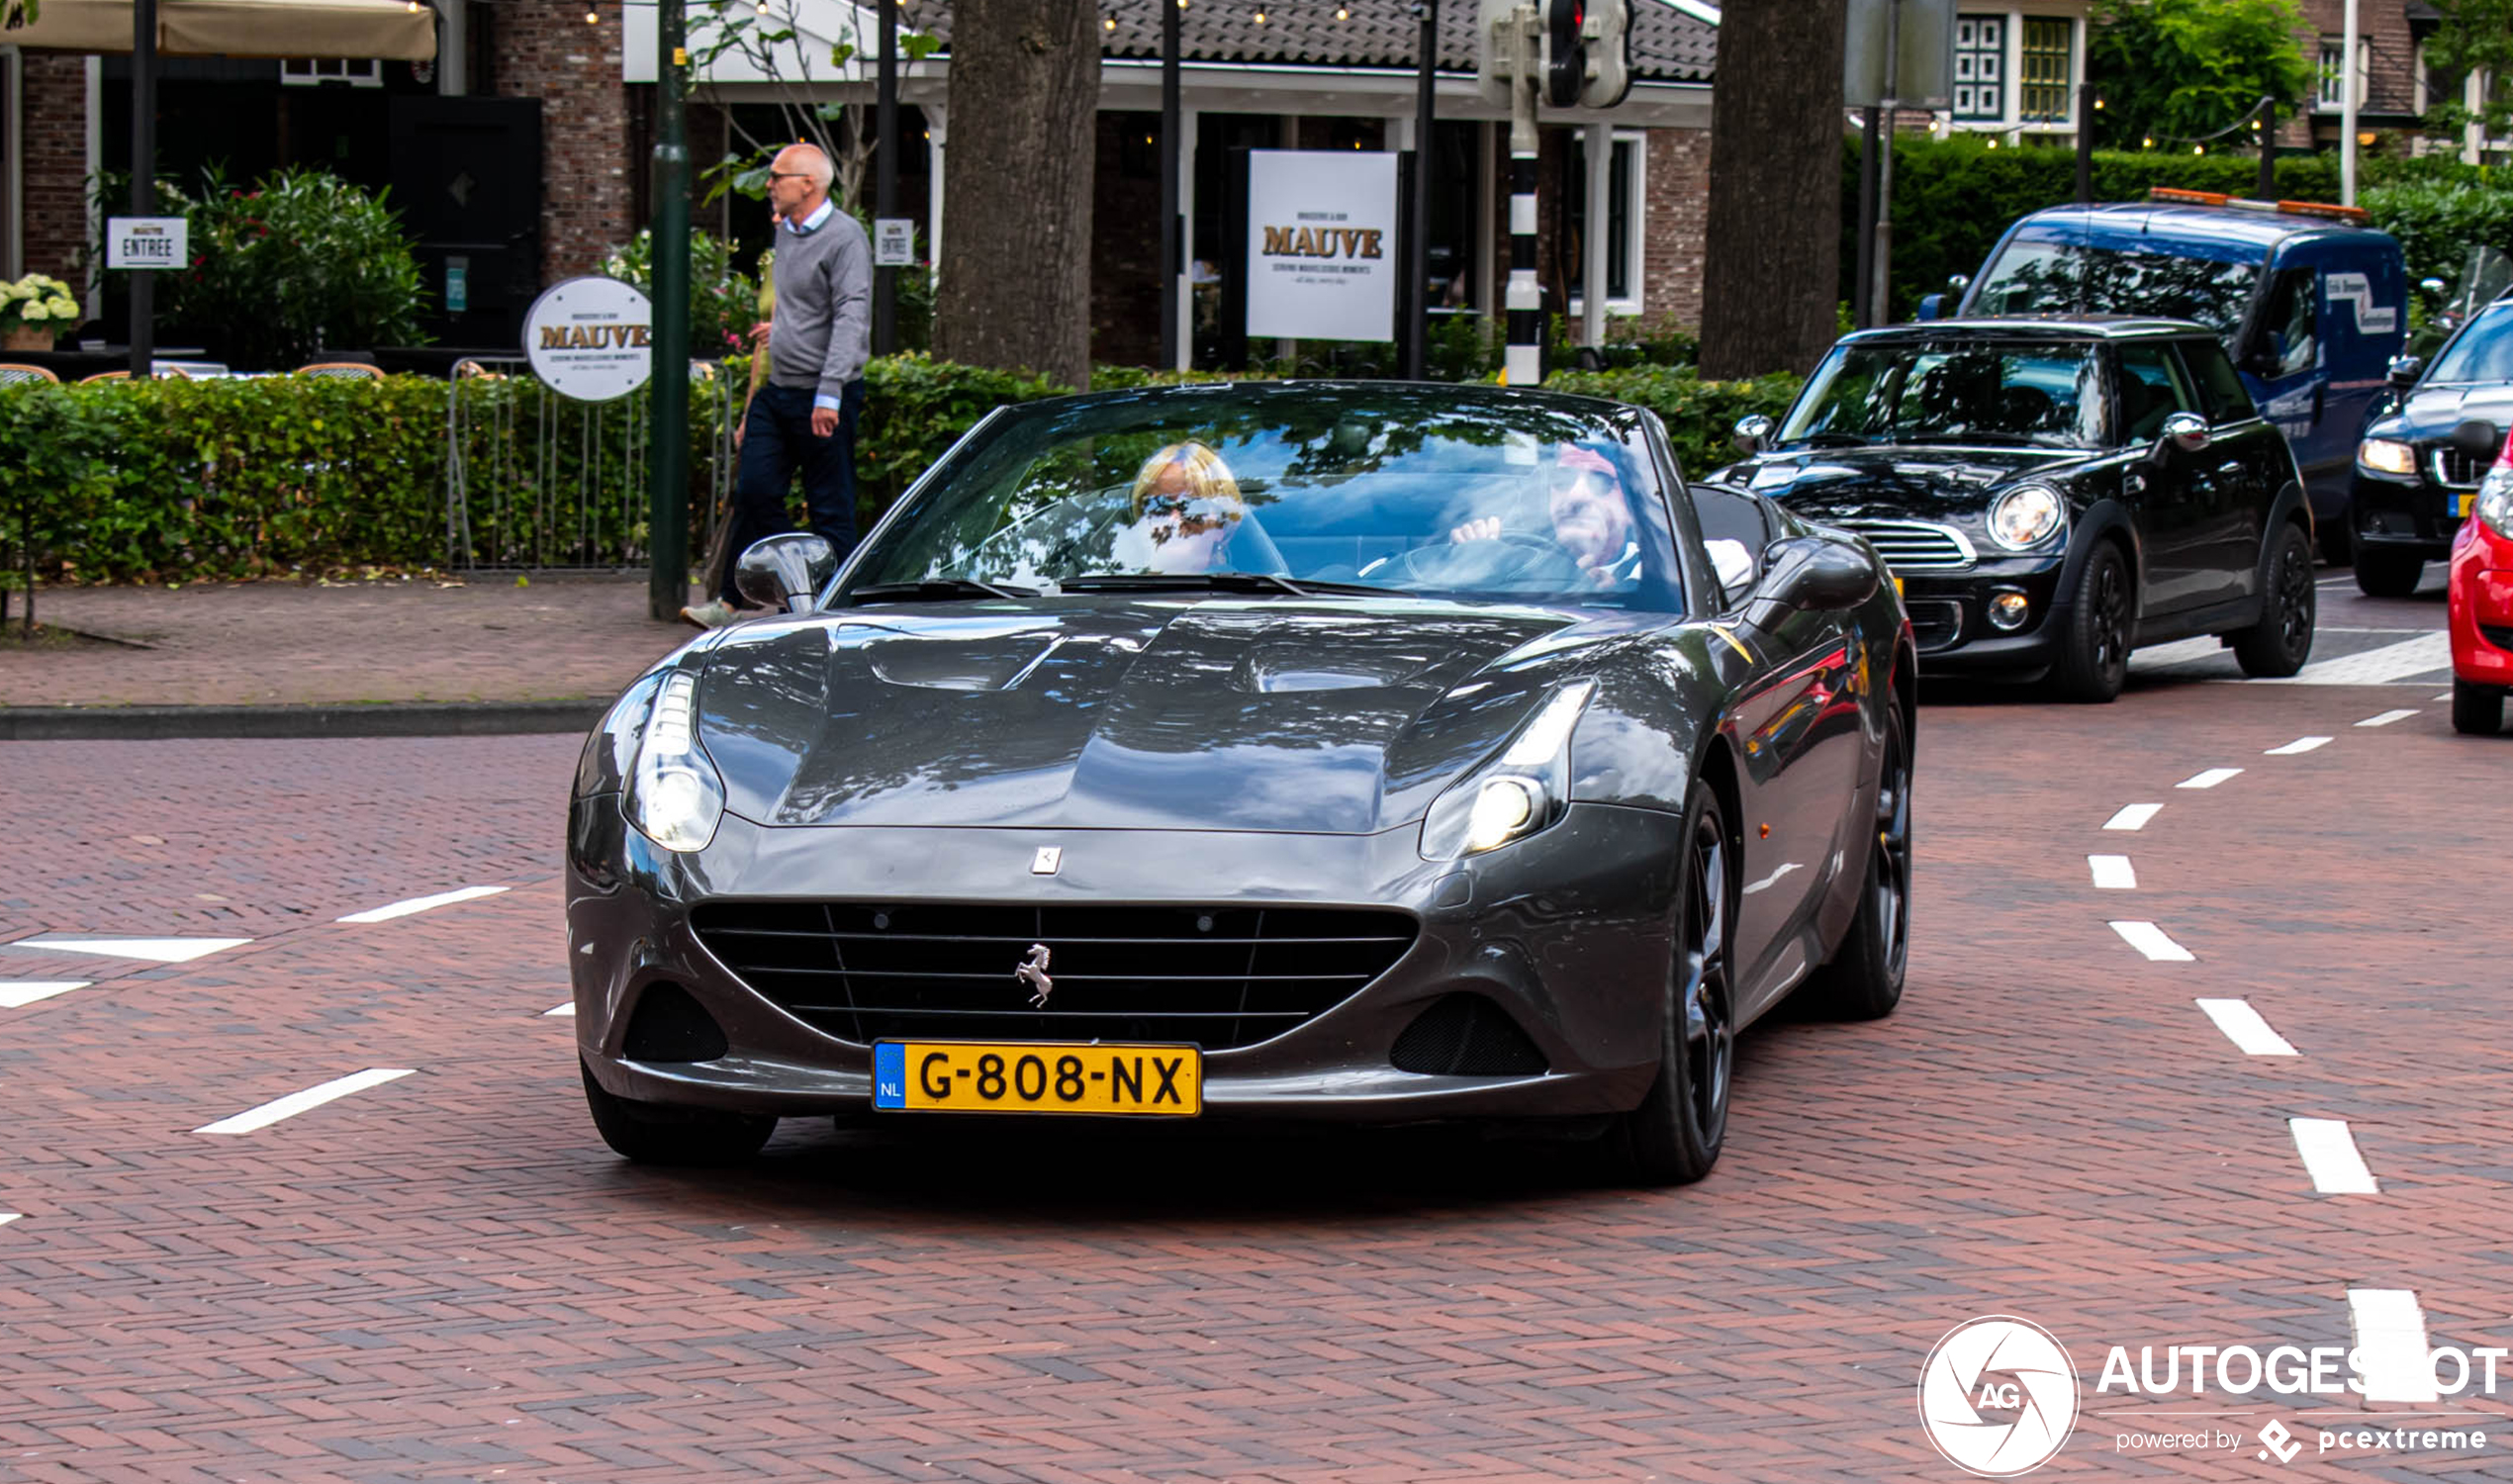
(1772, 252)
(1015, 288)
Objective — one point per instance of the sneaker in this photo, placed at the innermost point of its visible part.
(713, 614)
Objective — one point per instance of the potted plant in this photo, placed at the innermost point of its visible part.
(35, 312)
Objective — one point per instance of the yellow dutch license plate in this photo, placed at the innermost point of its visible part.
(1037, 1076)
(2461, 506)
(1898, 587)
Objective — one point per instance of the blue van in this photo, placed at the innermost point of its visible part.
(2310, 305)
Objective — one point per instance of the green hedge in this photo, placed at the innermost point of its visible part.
(180, 481)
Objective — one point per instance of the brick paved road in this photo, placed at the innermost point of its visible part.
(446, 1276)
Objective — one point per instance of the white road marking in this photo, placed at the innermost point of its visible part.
(2390, 1336)
(22, 992)
(2447, 695)
(2386, 718)
(2208, 779)
(2330, 1156)
(160, 950)
(2298, 745)
(298, 1102)
(421, 904)
(2243, 1026)
(2133, 816)
(7, 1217)
(566, 1009)
(2379, 667)
(2114, 872)
(2149, 939)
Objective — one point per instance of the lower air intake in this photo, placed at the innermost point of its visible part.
(1466, 1036)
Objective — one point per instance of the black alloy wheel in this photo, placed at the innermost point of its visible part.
(2476, 710)
(2279, 644)
(2388, 574)
(1863, 979)
(1673, 1138)
(2093, 660)
(651, 1134)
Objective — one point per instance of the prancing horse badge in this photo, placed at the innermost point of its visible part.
(1033, 973)
(1049, 856)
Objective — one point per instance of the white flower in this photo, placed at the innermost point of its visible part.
(63, 309)
(34, 310)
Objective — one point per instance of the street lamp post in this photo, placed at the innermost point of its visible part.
(668, 487)
(143, 178)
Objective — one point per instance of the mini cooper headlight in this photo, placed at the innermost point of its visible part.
(1522, 788)
(2387, 456)
(2025, 516)
(675, 797)
(2495, 501)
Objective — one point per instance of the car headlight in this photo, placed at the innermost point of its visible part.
(1522, 788)
(2387, 456)
(2495, 501)
(2025, 516)
(675, 797)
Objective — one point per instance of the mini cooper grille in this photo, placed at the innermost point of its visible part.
(2460, 470)
(1914, 545)
(1935, 622)
(1215, 976)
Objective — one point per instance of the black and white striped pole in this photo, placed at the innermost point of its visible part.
(1513, 50)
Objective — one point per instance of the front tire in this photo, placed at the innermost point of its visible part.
(2388, 574)
(2094, 658)
(2476, 710)
(1674, 1137)
(2279, 644)
(651, 1134)
(1863, 979)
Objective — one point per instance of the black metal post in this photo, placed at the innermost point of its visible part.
(2084, 143)
(144, 179)
(886, 179)
(1416, 343)
(1171, 124)
(1863, 295)
(668, 489)
(2267, 188)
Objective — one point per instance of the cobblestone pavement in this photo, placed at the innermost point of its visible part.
(446, 1276)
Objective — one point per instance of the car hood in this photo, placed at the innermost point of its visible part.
(1335, 716)
(2432, 413)
(1921, 483)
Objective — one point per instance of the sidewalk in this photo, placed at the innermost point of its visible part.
(275, 657)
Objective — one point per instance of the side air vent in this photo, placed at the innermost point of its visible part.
(670, 1026)
(1466, 1036)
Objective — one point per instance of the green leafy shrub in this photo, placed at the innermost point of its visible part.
(2438, 220)
(724, 300)
(301, 264)
(1699, 414)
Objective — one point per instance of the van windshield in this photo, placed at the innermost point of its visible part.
(2033, 278)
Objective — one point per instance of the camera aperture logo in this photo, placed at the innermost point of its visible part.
(1998, 1396)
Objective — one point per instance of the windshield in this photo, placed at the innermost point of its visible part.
(1262, 487)
(2046, 395)
(2485, 352)
(2044, 277)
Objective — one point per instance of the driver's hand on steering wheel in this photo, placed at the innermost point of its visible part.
(1486, 530)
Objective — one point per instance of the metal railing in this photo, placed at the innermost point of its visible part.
(539, 481)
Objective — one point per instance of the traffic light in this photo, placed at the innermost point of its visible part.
(1566, 66)
(1609, 53)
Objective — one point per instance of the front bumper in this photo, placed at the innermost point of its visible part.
(1950, 615)
(1567, 932)
(2405, 514)
(2478, 603)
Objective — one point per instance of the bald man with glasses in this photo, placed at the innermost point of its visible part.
(803, 417)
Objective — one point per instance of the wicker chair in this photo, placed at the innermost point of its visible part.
(468, 369)
(163, 373)
(17, 376)
(346, 370)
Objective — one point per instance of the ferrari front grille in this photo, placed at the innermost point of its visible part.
(1914, 545)
(1214, 976)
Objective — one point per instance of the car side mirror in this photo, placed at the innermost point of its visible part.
(785, 571)
(2434, 285)
(2404, 370)
(2186, 431)
(1752, 433)
(2478, 437)
(1810, 572)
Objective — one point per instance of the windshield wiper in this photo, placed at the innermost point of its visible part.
(1161, 582)
(936, 586)
(1827, 441)
(2000, 439)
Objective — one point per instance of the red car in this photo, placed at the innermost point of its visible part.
(2481, 604)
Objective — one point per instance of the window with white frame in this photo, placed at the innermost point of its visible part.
(1979, 67)
(2329, 97)
(1627, 197)
(2046, 86)
(315, 71)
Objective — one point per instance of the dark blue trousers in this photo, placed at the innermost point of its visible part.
(777, 443)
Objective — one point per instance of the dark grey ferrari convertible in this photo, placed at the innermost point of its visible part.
(1373, 752)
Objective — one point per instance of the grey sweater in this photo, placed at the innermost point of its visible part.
(823, 329)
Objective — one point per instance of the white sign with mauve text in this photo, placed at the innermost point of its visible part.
(1322, 244)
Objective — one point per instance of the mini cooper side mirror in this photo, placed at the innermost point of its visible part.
(2404, 370)
(2478, 437)
(785, 571)
(1752, 433)
(2186, 431)
(1809, 571)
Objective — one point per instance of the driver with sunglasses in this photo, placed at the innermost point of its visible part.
(1186, 507)
(1592, 518)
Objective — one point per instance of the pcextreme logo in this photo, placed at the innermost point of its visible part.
(1998, 1396)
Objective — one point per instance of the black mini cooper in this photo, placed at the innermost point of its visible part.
(2426, 447)
(2052, 494)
